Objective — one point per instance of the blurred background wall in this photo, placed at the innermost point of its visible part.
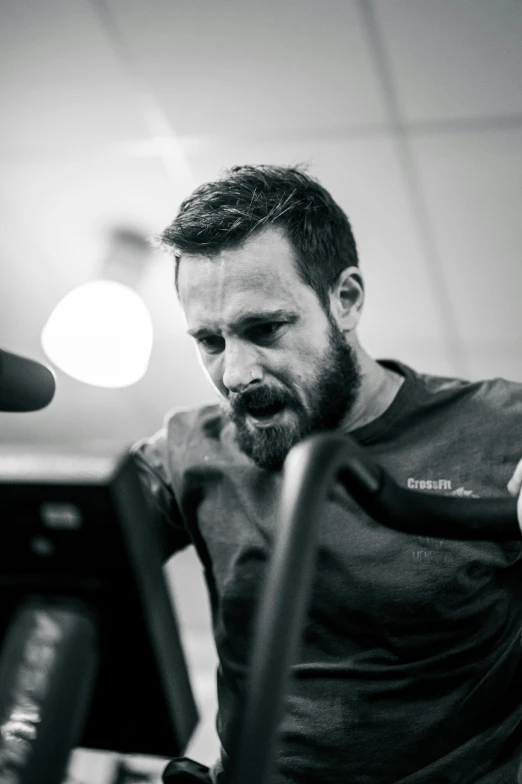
(408, 111)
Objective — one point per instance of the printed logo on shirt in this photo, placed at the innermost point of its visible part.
(439, 484)
(429, 484)
(461, 492)
(436, 551)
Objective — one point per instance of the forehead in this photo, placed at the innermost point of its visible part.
(261, 275)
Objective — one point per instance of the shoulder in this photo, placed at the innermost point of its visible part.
(494, 394)
(486, 414)
(192, 432)
(455, 410)
(198, 422)
(186, 436)
(483, 394)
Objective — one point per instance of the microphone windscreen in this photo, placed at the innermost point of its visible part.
(25, 385)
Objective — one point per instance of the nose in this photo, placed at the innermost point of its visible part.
(241, 367)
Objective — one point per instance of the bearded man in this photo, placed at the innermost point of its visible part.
(410, 668)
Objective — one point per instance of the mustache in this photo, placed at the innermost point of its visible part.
(239, 403)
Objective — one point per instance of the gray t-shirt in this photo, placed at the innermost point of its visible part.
(410, 669)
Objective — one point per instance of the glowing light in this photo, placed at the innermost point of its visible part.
(100, 333)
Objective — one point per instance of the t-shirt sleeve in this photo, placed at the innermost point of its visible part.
(150, 459)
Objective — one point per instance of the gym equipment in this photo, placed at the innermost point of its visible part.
(310, 469)
(25, 385)
(106, 607)
(91, 654)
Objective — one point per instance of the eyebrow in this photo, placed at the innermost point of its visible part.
(249, 319)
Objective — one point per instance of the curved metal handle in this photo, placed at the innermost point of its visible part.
(420, 513)
(309, 471)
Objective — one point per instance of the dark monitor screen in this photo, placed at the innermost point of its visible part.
(80, 526)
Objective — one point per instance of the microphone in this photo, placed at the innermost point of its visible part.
(25, 385)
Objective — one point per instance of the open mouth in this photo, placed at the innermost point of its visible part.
(262, 413)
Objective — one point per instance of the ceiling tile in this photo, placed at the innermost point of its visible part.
(62, 87)
(254, 70)
(454, 60)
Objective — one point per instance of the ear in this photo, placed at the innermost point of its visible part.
(347, 299)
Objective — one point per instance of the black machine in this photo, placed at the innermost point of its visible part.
(90, 647)
(90, 651)
(25, 385)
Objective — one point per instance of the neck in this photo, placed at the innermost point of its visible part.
(379, 387)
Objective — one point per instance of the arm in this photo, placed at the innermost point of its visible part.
(150, 459)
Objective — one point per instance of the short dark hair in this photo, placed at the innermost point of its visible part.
(224, 213)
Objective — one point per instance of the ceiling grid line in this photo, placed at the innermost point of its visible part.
(452, 338)
(154, 117)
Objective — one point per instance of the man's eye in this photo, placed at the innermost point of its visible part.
(267, 330)
(212, 344)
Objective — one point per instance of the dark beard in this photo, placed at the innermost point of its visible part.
(332, 397)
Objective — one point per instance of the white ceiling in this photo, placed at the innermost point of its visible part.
(409, 111)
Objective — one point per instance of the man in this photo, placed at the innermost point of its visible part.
(411, 665)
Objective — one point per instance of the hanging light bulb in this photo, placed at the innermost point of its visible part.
(101, 332)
